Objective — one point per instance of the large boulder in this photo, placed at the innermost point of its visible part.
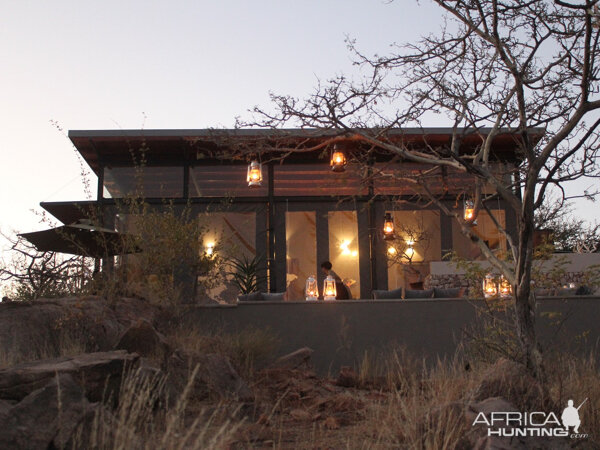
(47, 417)
(142, 338)
(99, 373)
(44, 327)
(214, 375)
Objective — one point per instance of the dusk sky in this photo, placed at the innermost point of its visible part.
(178, 64)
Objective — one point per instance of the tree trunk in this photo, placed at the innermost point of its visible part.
(525, 303)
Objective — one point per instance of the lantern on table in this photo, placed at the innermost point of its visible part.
(312, 291)
(490, 289)
(505, 287)
(329, 290)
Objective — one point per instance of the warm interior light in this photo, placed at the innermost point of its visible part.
(391, 251)
(410, 243)
(329, 290)
(338, 160)
(209, 249)
(388, 227)
(345, 249)
(312, 291)
(254, 177)
(410, 252)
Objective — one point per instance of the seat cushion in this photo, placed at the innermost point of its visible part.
(387, 295)
(448, 292)
(252, 297)
(415, 293)
(273, 296)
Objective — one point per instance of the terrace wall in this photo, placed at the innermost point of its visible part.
(341, 332)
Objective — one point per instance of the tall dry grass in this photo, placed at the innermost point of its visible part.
(143, 420)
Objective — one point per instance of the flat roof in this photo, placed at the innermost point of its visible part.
(174, 146)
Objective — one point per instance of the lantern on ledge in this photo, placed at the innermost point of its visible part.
(312, 291)
(469, 212)
(505, 287)
(254, 177)
(329, 291)
(338, 160)
(490, 289)
(388, 227)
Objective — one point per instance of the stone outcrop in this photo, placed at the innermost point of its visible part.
(46, 417)
(142, 338)
(39, 328)
(97, 372)
(214, 374)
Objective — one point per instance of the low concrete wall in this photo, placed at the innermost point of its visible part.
(340, 332)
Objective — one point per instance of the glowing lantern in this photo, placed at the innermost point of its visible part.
(470, 212)
(312, 291)
(209, 249)
(329, 291)
(505, 287)
(490, 289)
(254, 177)
(388, 227)
(391, 251)
(338, 160)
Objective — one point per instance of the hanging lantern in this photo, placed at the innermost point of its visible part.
(470, 212)
(505, 287)
(312, 291)
(209, 250)
(388, 227)
(254, 177)
(338, 160)
(329, 291)
(490, 289)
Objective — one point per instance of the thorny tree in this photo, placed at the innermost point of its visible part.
(34, 274)
(507, 65)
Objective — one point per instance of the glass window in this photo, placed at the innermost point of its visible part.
(225, 181)
(486, 230)
(417, 243)
(301, 244)
(148, 182)
(343, 248)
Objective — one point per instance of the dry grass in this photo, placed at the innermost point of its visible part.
(140, 420)
(249, 350)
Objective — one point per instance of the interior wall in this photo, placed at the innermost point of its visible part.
(343, 248)
(486, 230)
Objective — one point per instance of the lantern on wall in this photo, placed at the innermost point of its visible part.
(312, 291)
(329, 291)
(490, 289)
(388, 227)
(254, 177)
(469, 212)
(338, 160)
(505, 287)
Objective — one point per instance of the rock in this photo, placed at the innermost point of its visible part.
(142, 338)
(92, 370)
(295, 360)
(44, 327)
(347, 377)
(511, 381)
(215, 374)
(46, 418)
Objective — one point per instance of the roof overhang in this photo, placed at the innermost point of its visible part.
(175, 146)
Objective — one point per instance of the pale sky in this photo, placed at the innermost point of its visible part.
(177, 64)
